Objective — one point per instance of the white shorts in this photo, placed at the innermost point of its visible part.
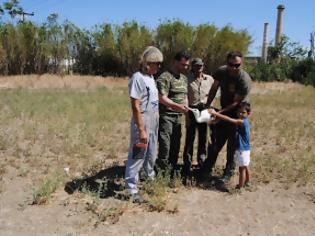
(243, 157)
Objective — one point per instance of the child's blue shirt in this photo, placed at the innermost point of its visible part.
(243, 136)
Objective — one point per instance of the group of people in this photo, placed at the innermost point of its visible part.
(158, 106)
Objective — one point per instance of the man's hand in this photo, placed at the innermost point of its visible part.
(182, 108)
(175, 106)
(212, 111)
(215, 119)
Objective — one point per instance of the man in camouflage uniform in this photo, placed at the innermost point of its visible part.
(235, 86)
(172, 87)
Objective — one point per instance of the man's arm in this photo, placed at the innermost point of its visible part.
(212, 93)
(169, 103)
(242, 90)
(226, 118)
(237, 100)
(136, 110)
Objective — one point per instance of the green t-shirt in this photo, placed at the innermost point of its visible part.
(174, 87)
(230, 86)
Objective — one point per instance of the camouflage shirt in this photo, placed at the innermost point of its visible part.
(174, 87)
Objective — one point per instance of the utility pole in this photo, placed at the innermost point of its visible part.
(23, 14)
(26, 14)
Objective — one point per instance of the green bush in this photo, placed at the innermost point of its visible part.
(301, 71)
(304, 72)
(270, 72)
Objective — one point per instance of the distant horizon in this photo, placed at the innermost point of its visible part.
(299, 20)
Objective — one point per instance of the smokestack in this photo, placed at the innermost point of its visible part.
(312, 45)
(279, 25)
(264, 54)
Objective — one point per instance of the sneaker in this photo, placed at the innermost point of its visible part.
(238, 189)
(137, 198)
(248, 184)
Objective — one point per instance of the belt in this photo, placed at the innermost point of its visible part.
(173, 114)
(200, 106)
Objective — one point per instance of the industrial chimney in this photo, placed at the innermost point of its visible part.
(264, 54)
(279, 25)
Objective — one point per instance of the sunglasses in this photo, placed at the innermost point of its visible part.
(184, 64)
(234, 65)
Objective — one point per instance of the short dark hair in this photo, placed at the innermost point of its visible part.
(233, 54)
(180, 55)
(246, 106)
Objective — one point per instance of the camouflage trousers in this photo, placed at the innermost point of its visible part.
(169, 141)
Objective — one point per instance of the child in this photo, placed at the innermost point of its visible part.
(243, 137)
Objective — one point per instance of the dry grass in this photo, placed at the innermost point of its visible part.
(109, 212)
(48, 123)
(276, 87)
(283, 135)
(48, 81)
(157, 191)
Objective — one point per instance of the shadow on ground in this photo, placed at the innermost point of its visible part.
(105, 183)
(108, 182)
(214, 183)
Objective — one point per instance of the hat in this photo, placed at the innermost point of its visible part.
(197, 61)
(151, 54)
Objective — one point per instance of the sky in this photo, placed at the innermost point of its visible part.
(299, 17)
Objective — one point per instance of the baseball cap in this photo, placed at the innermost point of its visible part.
(197, 61)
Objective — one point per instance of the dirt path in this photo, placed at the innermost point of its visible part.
(267, 210)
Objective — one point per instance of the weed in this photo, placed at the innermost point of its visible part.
(157, 190)
(49, 185)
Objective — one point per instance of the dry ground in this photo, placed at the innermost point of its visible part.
(54, 130)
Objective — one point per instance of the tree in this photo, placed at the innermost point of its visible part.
(172, 37)
(85, 53)
(226, 40)
(203, 44)
(70, 40)
(54, 38)
(11, 7)
(132, 40)
(9, 42)
(107, 59)
(29, 48)
(26, 33)
(286, 50)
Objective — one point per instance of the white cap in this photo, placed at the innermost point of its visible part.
(151, 54)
